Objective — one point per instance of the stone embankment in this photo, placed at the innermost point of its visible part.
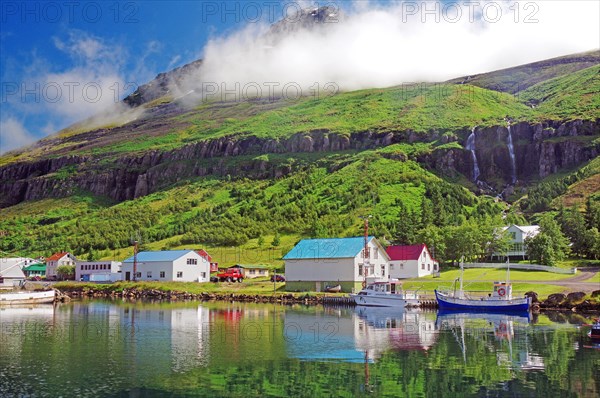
(576, 301)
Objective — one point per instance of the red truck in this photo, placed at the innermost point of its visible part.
(231, 275)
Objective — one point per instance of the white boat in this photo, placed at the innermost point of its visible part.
(385, 294)
(27, 297)
(500, 300)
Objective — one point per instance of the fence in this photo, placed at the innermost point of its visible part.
(532, 267)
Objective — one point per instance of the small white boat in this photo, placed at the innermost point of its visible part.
(385, 294)
(27, 297)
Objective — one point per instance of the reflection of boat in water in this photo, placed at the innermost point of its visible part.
(594, 332)
(385, 294)
(20, 298)
(500, 300)
(503, 327)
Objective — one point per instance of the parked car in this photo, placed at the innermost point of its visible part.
(214, 279)
(277, 278)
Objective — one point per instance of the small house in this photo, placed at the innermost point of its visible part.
(37, 269)
(255, 271)
(517, 235)
(412, 261)
(314, 264)
(56, 260)
(167, 265)
(11, 273)
(98, 271)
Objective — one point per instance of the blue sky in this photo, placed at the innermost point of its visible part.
(63, 62)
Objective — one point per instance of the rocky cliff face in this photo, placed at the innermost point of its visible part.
(540, 149)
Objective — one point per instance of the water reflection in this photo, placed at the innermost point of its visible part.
(101, 348)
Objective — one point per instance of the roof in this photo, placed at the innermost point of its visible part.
(57, 256)
(165, 255)
(410, 252)
(204, 254)
(18, 261)
(529, 230)
(327, 248)
(253, 266)
(35, 267)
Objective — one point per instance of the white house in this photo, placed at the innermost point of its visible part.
(170, 265)
(517, 235)
(56, 260)
(11, 273)
(413, 261)
(315, 263)
(98, 271)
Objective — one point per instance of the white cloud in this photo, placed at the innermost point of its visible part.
(381, 46)
(13, 135)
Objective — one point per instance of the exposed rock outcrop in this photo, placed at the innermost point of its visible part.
(540, 149)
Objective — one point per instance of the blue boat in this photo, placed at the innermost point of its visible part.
(500, 300)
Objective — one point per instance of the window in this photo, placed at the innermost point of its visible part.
(428, 267)
(138, 274)
(360, 269)
(382, 269)
(192, 261)
(422, 265)
(149, 274)
(203, 274)
(162, 274)
(180, 274)
(376, 254)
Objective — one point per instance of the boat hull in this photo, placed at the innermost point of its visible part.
(21, 298)
(489, 305)
(379, 300)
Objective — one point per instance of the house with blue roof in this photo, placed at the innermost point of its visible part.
(314, 264)
(167, 265)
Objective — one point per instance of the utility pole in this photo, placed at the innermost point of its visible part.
(366, 256)
(135, 252)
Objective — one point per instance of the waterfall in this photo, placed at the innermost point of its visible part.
(511, 152)
(471, 147)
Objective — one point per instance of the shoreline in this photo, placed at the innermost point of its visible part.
(575, 302)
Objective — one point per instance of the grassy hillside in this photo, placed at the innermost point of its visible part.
(576, 95)
(324, 198)
(519, 78)
(420, 108)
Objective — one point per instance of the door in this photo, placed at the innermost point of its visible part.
(127, 275)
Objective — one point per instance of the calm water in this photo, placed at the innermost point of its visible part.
(102, 349)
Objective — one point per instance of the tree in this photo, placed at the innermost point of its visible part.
(92, 255)
(66, 272)
(261, 241)
(276, 240)
(548, 246)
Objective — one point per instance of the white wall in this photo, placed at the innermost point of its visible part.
(190, 273)
(425, 265)
(113, 267)
(334, 269)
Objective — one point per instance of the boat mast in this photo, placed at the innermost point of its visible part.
(135, 252)
(462, 270)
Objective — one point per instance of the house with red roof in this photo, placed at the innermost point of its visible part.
(214, 267)
(412, 261)
(56, 260)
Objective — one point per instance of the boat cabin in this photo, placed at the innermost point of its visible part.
(502, 291)
(392, 287)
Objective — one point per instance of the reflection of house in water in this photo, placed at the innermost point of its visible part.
(346, 334)
(380, 329)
